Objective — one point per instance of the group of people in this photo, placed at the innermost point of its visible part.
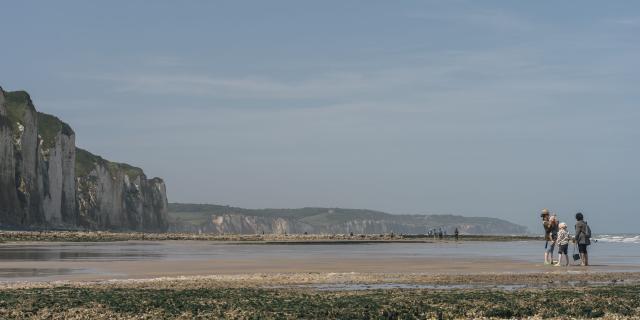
(441, 233)
(437, 233)
(556, 235)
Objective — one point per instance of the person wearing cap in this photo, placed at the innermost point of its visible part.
(563, 244)
(553, 237)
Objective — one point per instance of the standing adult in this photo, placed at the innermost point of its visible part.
(546, 224)
(583, 238)
(553, 226)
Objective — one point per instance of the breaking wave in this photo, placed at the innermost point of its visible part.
(625, 238)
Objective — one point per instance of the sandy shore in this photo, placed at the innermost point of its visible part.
(151, 269)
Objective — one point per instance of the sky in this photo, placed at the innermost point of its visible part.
(477, 108)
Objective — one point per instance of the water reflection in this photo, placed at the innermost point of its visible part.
(611, 253)
(73, 252)
(35, 272)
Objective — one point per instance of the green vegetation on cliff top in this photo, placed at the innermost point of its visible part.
(49, 126)
(87, 161)
(18, 103)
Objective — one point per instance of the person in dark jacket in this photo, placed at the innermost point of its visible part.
(582, 239)
(553, 236)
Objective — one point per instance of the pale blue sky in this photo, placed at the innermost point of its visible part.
(492, 108)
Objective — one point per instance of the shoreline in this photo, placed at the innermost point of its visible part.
(109, 236)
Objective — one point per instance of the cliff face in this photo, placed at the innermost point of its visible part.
(228, 220)
(57, 162)
(21, 118)
(113, 195)
(10, 207)
(241, 224)
(47, 182)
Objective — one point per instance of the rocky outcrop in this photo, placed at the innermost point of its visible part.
(57, 162)
(229, 220)
(114, 195)
(21, 118)
(10, 208)
(241, 224)
(45, 181)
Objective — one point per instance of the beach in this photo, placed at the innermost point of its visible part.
(380, 280)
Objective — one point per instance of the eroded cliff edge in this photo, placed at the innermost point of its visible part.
(45, 181)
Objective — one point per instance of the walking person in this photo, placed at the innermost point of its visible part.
(456, 233)
(583, 238)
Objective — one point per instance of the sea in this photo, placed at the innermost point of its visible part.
(618, 238)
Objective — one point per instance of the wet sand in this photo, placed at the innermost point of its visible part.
(51, 261)
(90, 270)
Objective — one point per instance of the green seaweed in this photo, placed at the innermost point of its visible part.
(260, 303)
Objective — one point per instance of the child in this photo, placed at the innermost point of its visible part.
(563, 244)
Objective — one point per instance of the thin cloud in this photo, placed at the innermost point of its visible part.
(629, 21)
(498, 19)
(507, 74)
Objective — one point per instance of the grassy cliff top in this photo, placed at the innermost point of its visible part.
(18, 103)
(307, 212)
(49, 126)
(18, 98)
(87, 161)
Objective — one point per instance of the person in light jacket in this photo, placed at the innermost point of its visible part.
(563, 245)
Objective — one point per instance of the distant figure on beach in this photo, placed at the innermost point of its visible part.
(563, 244)
(583, 238)
(456, 233)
